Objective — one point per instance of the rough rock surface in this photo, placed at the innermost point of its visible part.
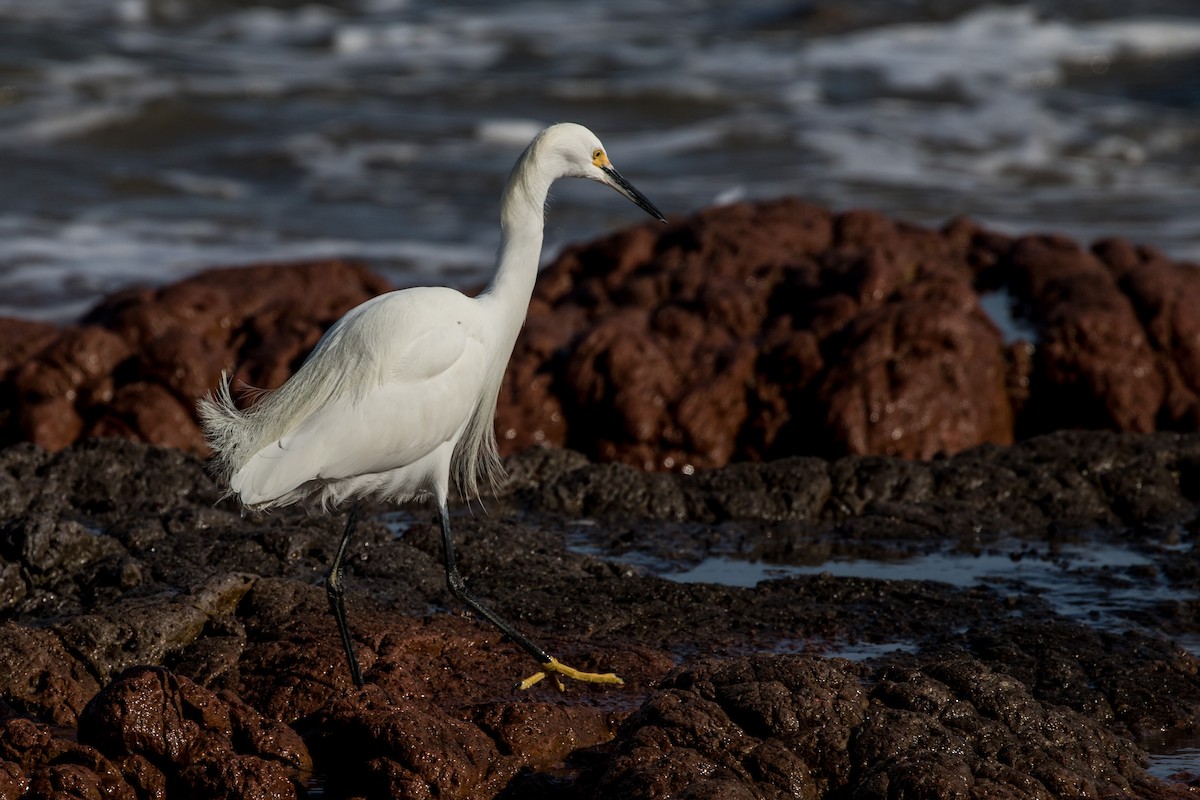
(764, 330)
(157, 644)
(752, 331)
(190, 741)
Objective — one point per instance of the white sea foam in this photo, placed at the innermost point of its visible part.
(997, 47)
(513, 132)
(312, 128)
(57, 270)
(327, 160)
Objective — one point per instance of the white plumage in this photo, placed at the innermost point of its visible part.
(401, 392)
(376, 410)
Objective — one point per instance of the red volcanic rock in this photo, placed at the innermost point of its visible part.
(22, 338)
(137, 363)
(770, 329)
(745, 332)
(921, 375)
(1165, 297)
(756, 331)
(1095, 366)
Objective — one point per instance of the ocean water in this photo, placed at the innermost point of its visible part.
(143, 140)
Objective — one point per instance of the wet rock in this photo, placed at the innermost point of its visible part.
(408, 749)
(959, 729)
(1089, 671)
(182, 616)
(39, 764)
(756, 727)
(40, 679)
(780, 726)
(138, 631)
(203, 744)
(1068, 481)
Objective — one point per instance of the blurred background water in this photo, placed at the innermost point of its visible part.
(142, 140)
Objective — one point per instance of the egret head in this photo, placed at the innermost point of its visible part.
(583, 156)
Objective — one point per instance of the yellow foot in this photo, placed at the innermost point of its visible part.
(555, 668)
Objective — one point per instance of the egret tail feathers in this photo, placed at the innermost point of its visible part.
(224, 427)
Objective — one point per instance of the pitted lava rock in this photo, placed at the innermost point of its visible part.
(794, 726)
(201, 744)
(764, 330)
(751, 331)
(961, 729)
(161, 645)
(766, 726)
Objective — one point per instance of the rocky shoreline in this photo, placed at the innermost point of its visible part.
(156, 643)
(752, 331)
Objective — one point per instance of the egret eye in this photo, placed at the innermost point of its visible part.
(598, 158)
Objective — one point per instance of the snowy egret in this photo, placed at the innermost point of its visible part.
(402, 391)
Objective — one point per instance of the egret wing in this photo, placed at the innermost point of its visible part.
(421, 397)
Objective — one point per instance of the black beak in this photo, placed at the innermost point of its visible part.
(626, 188)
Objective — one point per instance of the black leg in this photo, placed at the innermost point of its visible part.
(336, 593)
(550, 666)
(459, 589)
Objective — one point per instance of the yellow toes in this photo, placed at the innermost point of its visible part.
(555, 667)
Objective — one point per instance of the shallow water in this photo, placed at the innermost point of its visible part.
(1174, 757)
(1085, 581)
(1172, 763)
(1101, 584)
(144, 140)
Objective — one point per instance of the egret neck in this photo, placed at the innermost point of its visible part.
(522, 222)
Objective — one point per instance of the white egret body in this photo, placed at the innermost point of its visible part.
(402, 390)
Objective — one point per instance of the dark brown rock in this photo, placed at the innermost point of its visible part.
(757, 727)
(408, 748)
(1164, 295)
(960, 729)
(921, 375)
(207, 745)
(40, 679)
(22, 339)
(42, 765)
(780, 726)
(151, 412)
(746, 323)
(52, 385)
(577, 555)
